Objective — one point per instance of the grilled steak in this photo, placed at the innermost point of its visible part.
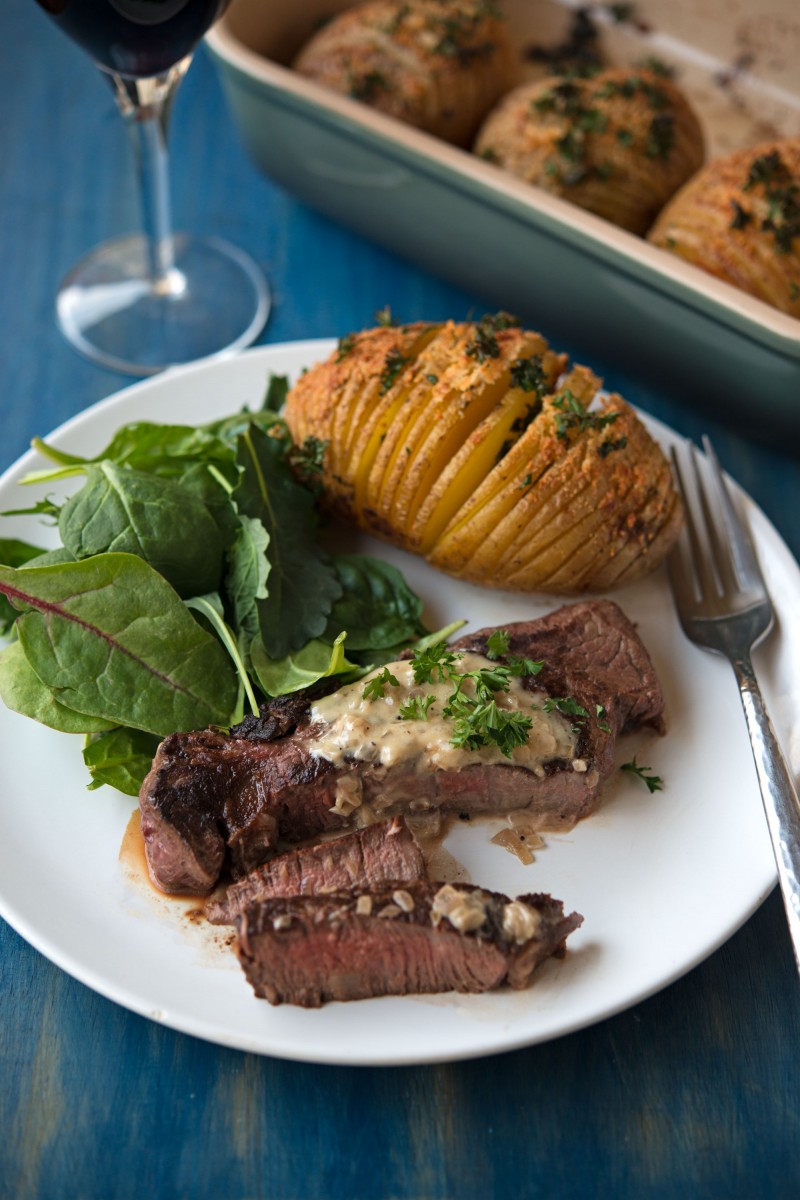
(379, 853)
(210, 795)
(395, 941)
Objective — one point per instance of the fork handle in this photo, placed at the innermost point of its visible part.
(778, 793)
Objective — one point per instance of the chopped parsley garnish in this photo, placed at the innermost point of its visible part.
(416, 708)
(566, 706)
(375, 688)
(528, 375)
(366, 87)
(610, 445)
(654, 782)
(592, 120)
(575, 101)
(483, 343)
(500, 320)
(661, 136)
(741, 217)
(384, 317)
(657, 98)
(784, 217)
(432, 379)
(767, 169)
(459, 30)
(307, 459)
(783, 199)
(571, 146)
(523, 666)
(471, 706)
(479, 722)
(433, 664)
(345, 346)
(565, 99)
(573, 414)
(392, 366)
(498, 643)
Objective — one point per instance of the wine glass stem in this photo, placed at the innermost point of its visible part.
(145, 105)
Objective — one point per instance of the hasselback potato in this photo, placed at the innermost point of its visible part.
(739, 219)
(436, 64)
(618, 143)
(468, 443)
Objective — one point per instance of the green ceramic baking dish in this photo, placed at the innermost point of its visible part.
(602, 290)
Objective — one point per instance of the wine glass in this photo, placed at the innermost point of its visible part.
(145, 302)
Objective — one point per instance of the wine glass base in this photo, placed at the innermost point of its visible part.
(214, 301)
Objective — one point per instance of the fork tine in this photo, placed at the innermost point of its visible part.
(719, 542)
(741, 546)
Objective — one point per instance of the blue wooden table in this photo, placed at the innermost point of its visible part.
(694, 1093)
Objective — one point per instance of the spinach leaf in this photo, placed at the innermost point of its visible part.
(207, 486)
(247, 574)
(23, 692)
(123, 511)
(120, 758)
(113, 640)
(302, 583)
(51, 558)
(276, 393)
(13, 553)
(312, 662)
(377, 607)
(229, 429)
(210, 608)
(146, 446)
(267, 417)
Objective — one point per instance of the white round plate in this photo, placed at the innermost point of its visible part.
(661, 879)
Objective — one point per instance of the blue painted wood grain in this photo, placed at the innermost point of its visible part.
(691, 1095)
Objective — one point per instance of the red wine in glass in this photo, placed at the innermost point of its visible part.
(142, 303)
(135, 38)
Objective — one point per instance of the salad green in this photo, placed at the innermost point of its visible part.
(191, 582)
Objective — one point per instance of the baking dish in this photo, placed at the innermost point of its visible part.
(587, 284)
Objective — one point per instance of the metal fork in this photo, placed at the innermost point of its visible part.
(724, 606)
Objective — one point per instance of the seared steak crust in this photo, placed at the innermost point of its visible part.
(373, 855)
(210, 794)
(387, 941)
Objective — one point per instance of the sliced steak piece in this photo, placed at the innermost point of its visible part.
(209, 795)
(397, 940)
(378, 853)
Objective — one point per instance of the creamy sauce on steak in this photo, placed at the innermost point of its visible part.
(353, 728)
